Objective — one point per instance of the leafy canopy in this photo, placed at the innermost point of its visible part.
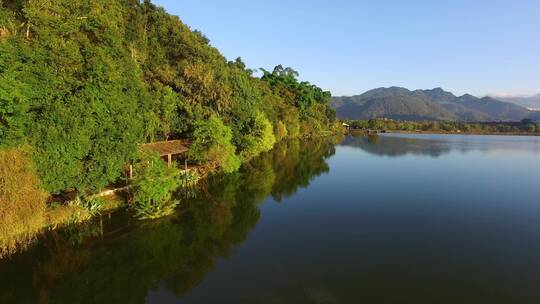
(153, 186)
(213, 146)
(85, 82)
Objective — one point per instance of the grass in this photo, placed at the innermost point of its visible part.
(22, 202)
(18, 233)
(24, 213)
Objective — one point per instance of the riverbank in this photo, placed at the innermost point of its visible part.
(20, 233)
(39, 214)
(72, 209)
(205, 227)
(526, 127)
(450, 132)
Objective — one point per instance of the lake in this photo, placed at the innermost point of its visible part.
(396, 218)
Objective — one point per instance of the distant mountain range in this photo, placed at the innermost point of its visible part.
(435, 104)
(532, 102)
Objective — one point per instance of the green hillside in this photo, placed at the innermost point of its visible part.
(82, 83)
(435, 104)
(395, 103)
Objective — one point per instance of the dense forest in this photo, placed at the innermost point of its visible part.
(84, 83)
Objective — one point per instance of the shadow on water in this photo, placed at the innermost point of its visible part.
(118, 260)
(435, 145)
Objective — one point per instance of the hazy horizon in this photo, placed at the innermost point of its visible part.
(348, 47)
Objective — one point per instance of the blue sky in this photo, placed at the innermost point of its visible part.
(476, 46)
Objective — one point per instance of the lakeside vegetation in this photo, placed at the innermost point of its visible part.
(83, 84)
(525, 126)
(178, 250)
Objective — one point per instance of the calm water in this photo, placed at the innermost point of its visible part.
(389, 219)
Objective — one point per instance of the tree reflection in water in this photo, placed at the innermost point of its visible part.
(129, 258)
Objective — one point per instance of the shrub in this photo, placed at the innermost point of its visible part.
(260, 136)
(22, 202)
(188, 178)
(60, 215)
(92, 204)
(153, 186)
(212, 146)
(76, 211)
(188, 182)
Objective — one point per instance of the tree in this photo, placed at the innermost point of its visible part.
(302, 95)
(259, 136)
(153, 186)
(84, 83)
(212, 146)
(376, 124)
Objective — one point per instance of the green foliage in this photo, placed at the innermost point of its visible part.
(313, 113)
(188, 178)
(444, 126)
(302, 94)
(13, 102)
(153, 186)
(162, 119)
(75, 92)
(259, 138)
(85, 82)
(213, 146)
(92, 204)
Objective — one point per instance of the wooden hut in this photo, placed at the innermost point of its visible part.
(166, 149)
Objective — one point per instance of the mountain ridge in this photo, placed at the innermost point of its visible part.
(524, 101)
(430, 104)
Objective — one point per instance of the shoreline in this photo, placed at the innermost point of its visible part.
(63, 213)
(448, 133)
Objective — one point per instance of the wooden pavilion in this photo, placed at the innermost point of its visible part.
(166, 149)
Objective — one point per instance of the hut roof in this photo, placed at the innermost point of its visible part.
(168, 147)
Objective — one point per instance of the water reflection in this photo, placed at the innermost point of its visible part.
(394, 145)
(374, 229)
(118, 261)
